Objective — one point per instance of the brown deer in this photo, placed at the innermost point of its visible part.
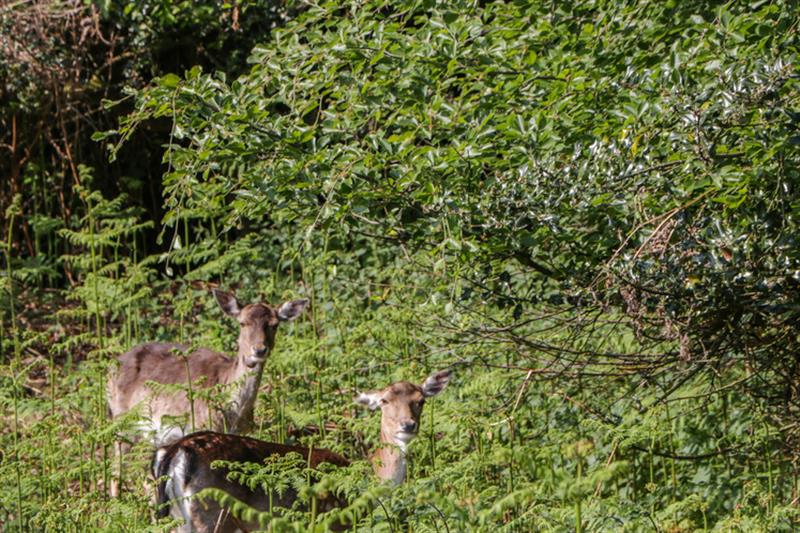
(401, 408)
(183, 469)
(166, 413)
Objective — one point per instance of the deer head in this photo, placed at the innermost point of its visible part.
(401, 406)
(258, 324)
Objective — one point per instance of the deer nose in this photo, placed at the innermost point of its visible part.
(409, 426)
(259, 350)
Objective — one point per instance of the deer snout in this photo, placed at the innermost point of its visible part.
(409, 426)
(259, 350)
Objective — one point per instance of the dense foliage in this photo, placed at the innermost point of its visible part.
(588, 211)
(62, 67)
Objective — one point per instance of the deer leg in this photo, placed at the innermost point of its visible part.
(121, 448)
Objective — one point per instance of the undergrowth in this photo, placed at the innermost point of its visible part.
(500, 449)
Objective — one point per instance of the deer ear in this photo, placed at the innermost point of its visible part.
(371, 400)
(436, 383)
(291, 310)
(227, 302)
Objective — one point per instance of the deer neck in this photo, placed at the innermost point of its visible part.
(245, 382)
(390, 461)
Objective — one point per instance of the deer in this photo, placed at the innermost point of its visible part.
(184, 468)
(170, 364)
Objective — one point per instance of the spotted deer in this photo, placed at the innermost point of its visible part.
(168, 415)
(183, 469)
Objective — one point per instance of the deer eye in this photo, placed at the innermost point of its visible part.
(384, 401)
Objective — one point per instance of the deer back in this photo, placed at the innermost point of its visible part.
(183, 469)
(162, 363)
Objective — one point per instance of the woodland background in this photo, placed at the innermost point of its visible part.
(589, 210)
